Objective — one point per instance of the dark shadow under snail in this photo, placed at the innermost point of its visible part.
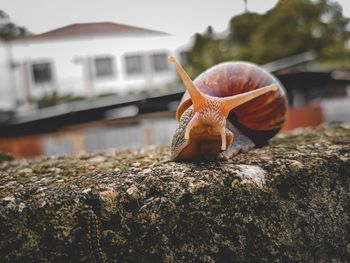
(230, 108)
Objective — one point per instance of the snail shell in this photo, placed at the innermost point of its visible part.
(257, 118)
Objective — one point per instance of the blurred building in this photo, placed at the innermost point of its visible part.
(85, 60)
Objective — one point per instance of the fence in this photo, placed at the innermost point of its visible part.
(137, 133)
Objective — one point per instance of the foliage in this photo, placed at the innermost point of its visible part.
(9, 30)
(53, 98)
(291, 27)
(200, 56)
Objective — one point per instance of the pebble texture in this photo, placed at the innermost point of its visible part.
(285, 202)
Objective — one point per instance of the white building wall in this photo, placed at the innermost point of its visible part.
(70, 59)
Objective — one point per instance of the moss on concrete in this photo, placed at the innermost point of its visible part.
(4, 156)
(286, 202)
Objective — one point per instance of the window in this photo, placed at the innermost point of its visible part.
(42, 72)
(104, 67)
(134, 64)
(160, 62)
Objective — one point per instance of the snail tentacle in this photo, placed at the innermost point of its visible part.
(198, 98)
(232, 102)
(193, 122)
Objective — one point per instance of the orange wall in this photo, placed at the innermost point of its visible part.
(308, 116)
(22, 147)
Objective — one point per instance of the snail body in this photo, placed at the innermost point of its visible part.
(230, 108)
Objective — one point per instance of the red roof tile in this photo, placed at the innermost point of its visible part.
(92, 30)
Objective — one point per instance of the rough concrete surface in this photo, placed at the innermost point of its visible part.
(285, 202)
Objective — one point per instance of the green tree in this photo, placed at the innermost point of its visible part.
(295, 26)
(207, 51)
(242, 28)
(291, 27)
(9, 30)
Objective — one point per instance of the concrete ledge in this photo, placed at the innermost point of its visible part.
(286, 202)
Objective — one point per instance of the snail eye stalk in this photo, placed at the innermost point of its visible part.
(197, 97)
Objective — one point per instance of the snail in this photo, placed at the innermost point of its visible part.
(228, 109)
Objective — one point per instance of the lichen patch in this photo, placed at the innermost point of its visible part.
(252, 174)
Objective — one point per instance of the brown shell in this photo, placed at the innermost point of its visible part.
(260, 118)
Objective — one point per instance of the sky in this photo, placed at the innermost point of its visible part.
(177, 17)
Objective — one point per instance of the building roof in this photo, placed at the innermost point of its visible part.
(53, 118)
(83, 30)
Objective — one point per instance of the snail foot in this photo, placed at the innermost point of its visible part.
(240, 144)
